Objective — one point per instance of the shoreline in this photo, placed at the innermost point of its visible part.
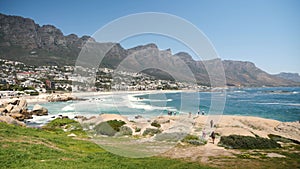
(42, 97)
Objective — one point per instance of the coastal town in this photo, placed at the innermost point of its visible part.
(17, 78)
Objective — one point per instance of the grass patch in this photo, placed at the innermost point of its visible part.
(65, 125)
(59, 122)
(30, 148)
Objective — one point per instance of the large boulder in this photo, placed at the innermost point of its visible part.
(61, 97)
(9, 107)
(10, 120)
(14, 101)
(22, 103)
(27, 113)
(289, 130)
(3, 111)
(16, 109)
(39, 110)
(3, 104)
(18, 116)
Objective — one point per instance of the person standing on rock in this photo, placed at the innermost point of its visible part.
(203, 134)
(211, 123)
(213, 136)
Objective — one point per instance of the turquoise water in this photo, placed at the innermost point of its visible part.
(281, 104)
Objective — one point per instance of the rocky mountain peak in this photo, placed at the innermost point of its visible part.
(21, 39)
(184, 56)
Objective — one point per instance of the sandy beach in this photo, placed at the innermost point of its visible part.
(43, 97)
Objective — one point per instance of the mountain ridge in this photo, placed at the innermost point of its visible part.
(21, 39)
(289, 76)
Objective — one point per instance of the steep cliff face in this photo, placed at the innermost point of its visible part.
(18, 31)
(23, 37)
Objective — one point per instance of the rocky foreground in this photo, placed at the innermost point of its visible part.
(15, 110)
(165, 135)
(224, 125)
(18, 110)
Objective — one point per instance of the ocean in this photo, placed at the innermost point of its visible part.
(280, 103)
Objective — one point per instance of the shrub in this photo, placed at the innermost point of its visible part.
(137, 129)
(104, 129)
(197, 142)
(125, 130)
(116, 124)
(172, 137)
(194, 140)
(109, 128)
(151, 132)
(190, 137)
(155, 124)
(247, 142)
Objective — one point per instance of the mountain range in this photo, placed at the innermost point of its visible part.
(289, 76)
(21, 39)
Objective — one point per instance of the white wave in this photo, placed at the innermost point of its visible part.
(139, 105)
(286, 104)
(239, 91)
(293, 104)
(68, 108)
(130, 101)
(152, 100)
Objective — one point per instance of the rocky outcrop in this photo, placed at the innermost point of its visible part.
(10, 120)
(289, 129)
(39, 110)
(61, 97)
(17, 109)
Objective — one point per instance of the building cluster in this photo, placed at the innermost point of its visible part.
(22, 78)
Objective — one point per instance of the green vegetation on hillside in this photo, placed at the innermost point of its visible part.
(38, 148)
(109, 128)
(247, 142)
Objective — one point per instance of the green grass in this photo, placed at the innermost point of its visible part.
(39, 148)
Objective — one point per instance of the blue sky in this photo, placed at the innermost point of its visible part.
(264, 32)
